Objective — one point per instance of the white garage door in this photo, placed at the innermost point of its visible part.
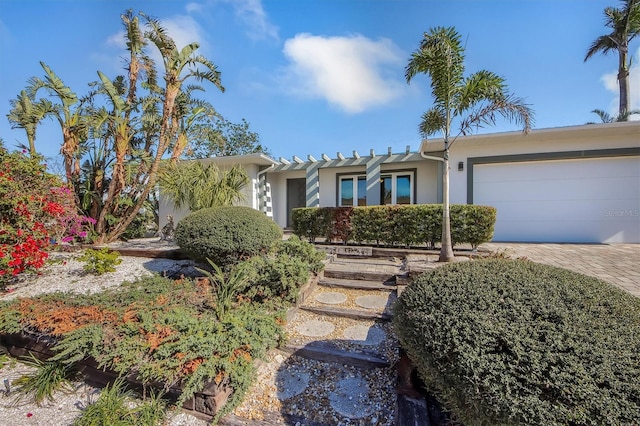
(585, 200)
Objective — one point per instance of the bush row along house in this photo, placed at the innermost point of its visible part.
(569, 184)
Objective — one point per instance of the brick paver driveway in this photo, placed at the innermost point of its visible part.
(618, 264)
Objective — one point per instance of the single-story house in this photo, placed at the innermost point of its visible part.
(568, 184)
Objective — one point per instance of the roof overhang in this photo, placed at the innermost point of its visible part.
(259, 159)
(555, 133)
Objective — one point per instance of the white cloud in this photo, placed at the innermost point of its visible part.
(253, 16)
(610, 81)
(193, 7)
(183, 29)
(349, 72)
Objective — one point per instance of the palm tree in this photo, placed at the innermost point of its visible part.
(605, 117)
(625, 25)
(70, 115)
(26, 113)
(179, 66)
(473, 102)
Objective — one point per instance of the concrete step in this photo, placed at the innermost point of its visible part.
(356, 283)
(345, 340)
(348, 313)
(350, 303)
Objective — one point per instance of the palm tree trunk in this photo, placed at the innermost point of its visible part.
(623, 83)
(446, 251)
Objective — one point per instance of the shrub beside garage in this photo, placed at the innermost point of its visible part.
(506, 342)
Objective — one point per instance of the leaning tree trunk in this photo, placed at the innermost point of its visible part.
(446, 251)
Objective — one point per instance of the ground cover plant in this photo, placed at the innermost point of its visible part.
(506, 342)
(172, 334)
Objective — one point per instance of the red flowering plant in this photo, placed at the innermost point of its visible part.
(34, 208)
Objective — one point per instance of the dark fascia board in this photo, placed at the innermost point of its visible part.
(544, 156)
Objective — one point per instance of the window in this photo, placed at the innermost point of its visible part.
(395, 188)
(353, 188)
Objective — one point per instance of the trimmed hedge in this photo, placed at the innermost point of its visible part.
(406, 225)
(226, 235)
(508, 342)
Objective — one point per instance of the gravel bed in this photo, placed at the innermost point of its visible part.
(289, 385)
(352, 295)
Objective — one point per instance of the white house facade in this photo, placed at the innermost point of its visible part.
(569, 184)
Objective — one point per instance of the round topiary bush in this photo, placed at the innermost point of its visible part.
(508, 342)
(226, 235)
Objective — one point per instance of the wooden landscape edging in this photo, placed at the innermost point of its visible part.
(204, 404)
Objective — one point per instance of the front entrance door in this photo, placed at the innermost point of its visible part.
(296, 197)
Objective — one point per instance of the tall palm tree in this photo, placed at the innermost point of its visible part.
(179, 66)
(26, 113)
(625, 26)
(470, 102)
(70, 115)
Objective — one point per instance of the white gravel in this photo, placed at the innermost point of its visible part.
(67, 275)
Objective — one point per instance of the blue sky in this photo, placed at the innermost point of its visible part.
(321, 76)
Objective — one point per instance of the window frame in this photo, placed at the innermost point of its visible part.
(394, 174)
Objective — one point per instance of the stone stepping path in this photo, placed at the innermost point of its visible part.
(379, 301)
(369, 337)
(311, 392)
(331, 298)
(337, 367)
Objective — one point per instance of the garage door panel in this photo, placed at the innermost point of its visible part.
(543, 190)
(584, 200)
(563, 210)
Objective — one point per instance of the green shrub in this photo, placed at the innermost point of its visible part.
(276, 278)
(472, 224)
(310, 223)
(226, 235)
(303, 250)
(406, 225)
(101, 261)
(507, 342)
(370, 224)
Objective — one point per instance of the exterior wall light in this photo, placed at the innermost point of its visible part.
(460, 166)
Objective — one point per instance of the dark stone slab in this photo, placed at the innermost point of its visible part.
(328, 353)
(355, 283)
(347, 313)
